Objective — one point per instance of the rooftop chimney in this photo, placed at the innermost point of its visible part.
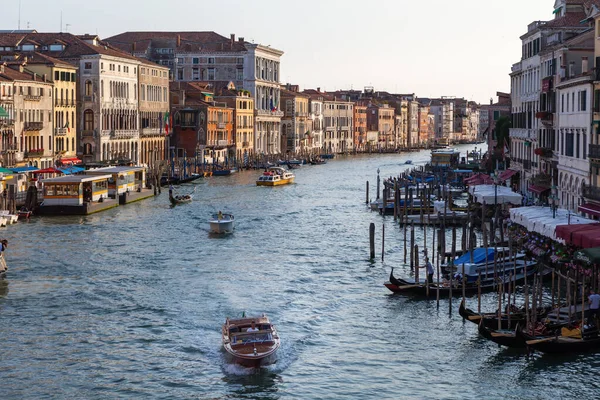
(178, 40)
(45, 78)
(319, 89)
(133, 47)
(584, 65)
(232, 38)
(34, 76)
(241, 40)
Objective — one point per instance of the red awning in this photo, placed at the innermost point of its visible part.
(588, 239)
(479, 179)
(48, 171)
(71, 160)
(538, 189)
(505, 175)
(591, 209)
(566, 232)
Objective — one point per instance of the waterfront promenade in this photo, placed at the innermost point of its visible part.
(129, 302)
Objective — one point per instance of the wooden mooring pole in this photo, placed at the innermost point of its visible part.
(372, 240)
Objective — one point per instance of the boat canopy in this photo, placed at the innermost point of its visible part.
(479, 256)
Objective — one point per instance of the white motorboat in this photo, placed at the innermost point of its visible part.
(222, 223)
(10, 218)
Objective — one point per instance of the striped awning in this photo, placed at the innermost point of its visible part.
(3, 113)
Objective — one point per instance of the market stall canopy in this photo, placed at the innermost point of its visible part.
(20, 170)
(505, 175)
(590, 256)
(48, 171)
(541, 220)
(488, 194)
(565, 232)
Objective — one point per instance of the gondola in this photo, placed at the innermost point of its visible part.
(557, 344)
(181, 199)
(503, 337)
(175, 180)
(490, 320)
(410, 287)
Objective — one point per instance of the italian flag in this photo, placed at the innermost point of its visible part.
(167, 123)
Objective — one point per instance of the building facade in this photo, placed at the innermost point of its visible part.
(295, 123)
(337, 116)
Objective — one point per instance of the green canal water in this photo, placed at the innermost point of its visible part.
(129, 303)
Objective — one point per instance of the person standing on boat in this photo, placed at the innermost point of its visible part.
(429, 269)
(3, 245)
(220, 217)
(594, 301)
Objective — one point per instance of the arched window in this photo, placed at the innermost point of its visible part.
(88, 88)
(102, 89)
(88, 120)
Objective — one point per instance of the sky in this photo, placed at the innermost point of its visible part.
(462, 48)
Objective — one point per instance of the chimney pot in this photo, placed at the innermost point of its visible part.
(241, 40)
(319, 89)
(571, 69)
(232, 38)
(584, 65)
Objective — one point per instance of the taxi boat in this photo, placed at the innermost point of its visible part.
(275, 176)
(250, 349)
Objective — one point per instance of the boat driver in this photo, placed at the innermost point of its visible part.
(253, 328)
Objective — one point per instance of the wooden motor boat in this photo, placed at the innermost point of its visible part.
(275, 176)
(222, 223)
(250, 349)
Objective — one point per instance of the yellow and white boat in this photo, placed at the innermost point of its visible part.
(275, 176)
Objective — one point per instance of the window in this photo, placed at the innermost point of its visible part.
(88, 120)
(240, 60)
(63, 76)
(211, 74)
(195, 74)
(583, 101)
(195, 60)
(56, 75)
(240, 74)
(87, 65)
(88, 88)
(72, 76)
(56, 47)
(211, 60)
(573, 101)
(570, 142)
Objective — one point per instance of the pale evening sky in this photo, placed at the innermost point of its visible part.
(433, 48)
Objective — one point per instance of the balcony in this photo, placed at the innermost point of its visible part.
(30, 97)
(6, 122)
(591, 192)
(34, 126)
(6, 97)
(301, 114)
(151, 132)
(269, 113)
(221, 125)
(594, 151)
(121, 134)
(34, 153)
(87, 133)
(222, 143)
(88, 99)
(60, 131)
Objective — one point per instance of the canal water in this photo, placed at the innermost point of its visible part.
(129, 303)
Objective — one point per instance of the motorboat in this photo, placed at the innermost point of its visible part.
(275, 176)
(250, 342)
(222, 223)
(24, 213)
(408, 162)
(483, 266)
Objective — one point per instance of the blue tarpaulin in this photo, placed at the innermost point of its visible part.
(25, 169)
(478, 256)
(71, 170)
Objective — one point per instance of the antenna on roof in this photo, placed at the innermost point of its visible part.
(60, 30)
(19, 24)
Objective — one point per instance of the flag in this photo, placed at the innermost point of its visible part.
(67, 126)
(167, 123)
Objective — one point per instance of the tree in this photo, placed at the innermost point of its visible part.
(502, 132)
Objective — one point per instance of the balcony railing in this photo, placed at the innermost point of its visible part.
(87, 133)
(130, 134)
(6, 122)
(89, 99)
(60, 131)
(594, 151)
(30, 97)
(221, 125)
(245, 144)
(269, 113)
(151, 131)
(222, 142)
(591, 192)
(34, 126)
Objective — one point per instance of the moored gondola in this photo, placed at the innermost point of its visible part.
(503, 337)
(564, 341)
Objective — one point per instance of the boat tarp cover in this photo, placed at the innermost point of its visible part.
(589, 256)
(478, 256)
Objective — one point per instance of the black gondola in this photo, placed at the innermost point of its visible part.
(490, 320)
(411, 287)
(503, 337)
(556, 344)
